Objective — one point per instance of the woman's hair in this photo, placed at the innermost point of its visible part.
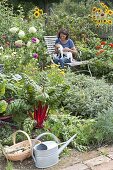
(63, 31)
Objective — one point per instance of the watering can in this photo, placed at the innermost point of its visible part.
(46, 154)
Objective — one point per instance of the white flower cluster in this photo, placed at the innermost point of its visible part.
(21, 35)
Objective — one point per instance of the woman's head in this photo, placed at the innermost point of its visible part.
(63, 34)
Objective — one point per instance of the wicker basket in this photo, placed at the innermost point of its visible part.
(19, 151)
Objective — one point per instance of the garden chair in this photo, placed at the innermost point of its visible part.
(50, 43)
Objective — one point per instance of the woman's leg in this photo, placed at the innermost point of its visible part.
(56, 59)
(63, 61)
(69, 56)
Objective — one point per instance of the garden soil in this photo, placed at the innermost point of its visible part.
(70, 158)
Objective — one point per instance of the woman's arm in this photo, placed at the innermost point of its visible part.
(73, 50)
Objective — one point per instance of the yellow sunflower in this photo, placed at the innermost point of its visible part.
(94, 9)
(99, 10)
(104, 21)
(36, 14)
(98, 22)
(110, 12)
(102, 4)
(97, 26)
(106, 11)
(109, 22)
(106, 7)
(40, 11)
(36, 9)
(94, 17)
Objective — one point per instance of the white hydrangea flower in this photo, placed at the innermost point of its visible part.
(19, 43)
(14, 53)
(28, 44)
(32, 30)
(13, 30)
(1, 48)
(7, 56)
(21, 34)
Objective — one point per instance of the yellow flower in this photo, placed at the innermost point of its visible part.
(106, 7)
(97, 26)
(102, 4)
(110, 12)
(106, 11)
(36, 14)
(54, 65)
(109, 22)
(40, 11)
(62, 72)
(99, 10)
(94, 9)
(36, 9)
(105, 21)
(98, 21)
(94, 17)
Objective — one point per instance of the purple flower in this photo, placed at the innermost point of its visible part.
(35, 55)
(35, 40)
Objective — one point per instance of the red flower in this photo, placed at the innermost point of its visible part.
(103, 43)
(98, 47)
(111, 45)
(99, 52)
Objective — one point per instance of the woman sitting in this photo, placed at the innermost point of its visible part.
(64, 48)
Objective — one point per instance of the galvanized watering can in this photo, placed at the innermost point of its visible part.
(46, 154)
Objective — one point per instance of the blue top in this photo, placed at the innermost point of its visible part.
(69, 43)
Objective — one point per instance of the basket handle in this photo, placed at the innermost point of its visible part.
(48, 133)
(14, 137)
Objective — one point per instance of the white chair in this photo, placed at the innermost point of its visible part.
(50, 43)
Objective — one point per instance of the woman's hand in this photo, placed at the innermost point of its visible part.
(66, 49)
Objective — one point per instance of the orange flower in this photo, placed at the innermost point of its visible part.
(98, 47)
(103, 43)
(99, 52)
(111, 45)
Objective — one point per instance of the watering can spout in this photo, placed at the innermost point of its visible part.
(65, 144)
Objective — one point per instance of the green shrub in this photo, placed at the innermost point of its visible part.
(104, 127)
(88, 96)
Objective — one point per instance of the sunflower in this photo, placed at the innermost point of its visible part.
(97, 26)
(102, 4)
(106, 7)
(105, 21)
(98, 21)
(36, 14)
(110, 12)
(94, 9)
(99, 10)
(40, 11)
(106, 11)
(36, 9)
(109, 22)
(94, 17)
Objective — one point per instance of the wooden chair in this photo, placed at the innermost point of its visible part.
(50, 42)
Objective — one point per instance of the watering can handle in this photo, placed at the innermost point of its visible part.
(47, 133)
(38, 137)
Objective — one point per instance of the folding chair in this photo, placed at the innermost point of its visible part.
(50, 43)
